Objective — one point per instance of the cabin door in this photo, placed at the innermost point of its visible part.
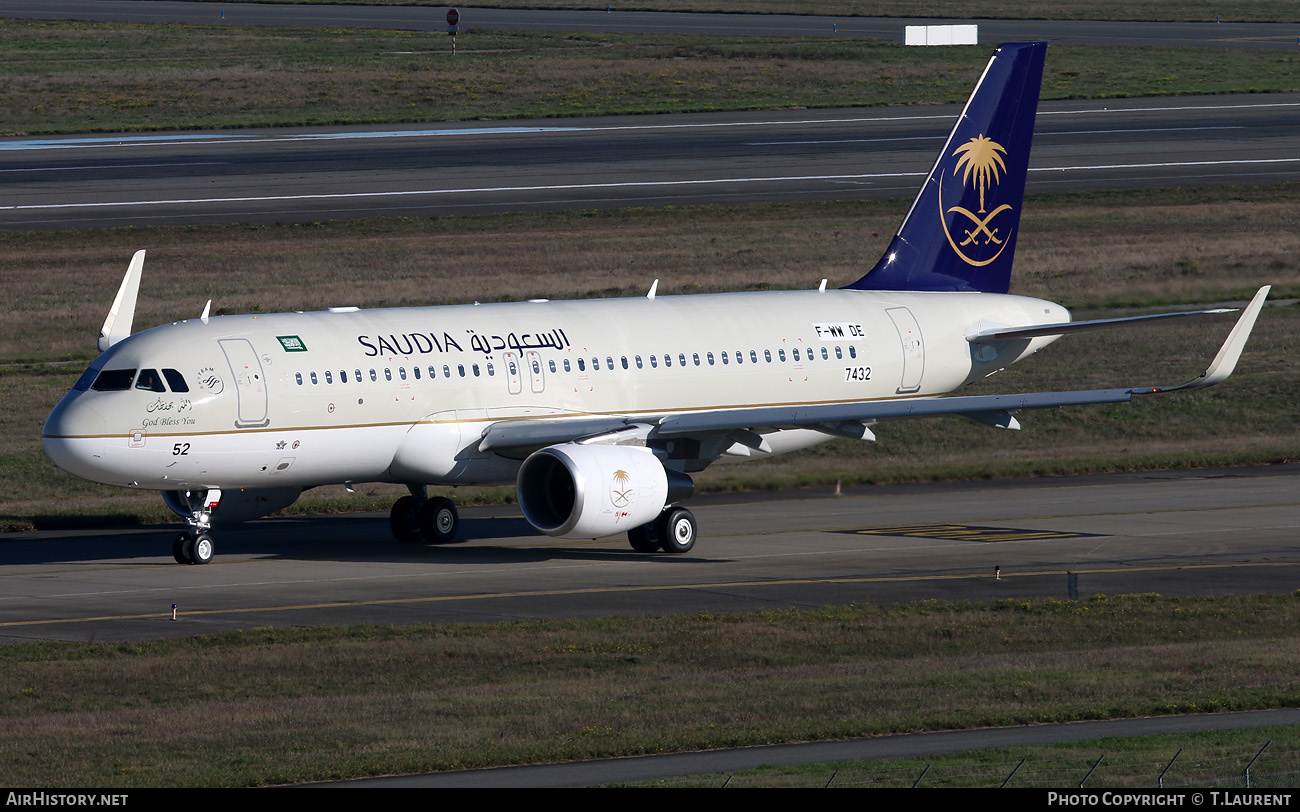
(250, 381)
(909, 335)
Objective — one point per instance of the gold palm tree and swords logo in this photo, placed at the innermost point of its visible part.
(621, 493)
(980, 163)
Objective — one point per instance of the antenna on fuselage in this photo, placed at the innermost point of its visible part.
(207, 308)
(653, 288)
(118, 324)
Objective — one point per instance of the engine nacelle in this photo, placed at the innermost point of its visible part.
(590, 491)
(237, 504)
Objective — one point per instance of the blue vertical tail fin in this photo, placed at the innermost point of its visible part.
(960, 233)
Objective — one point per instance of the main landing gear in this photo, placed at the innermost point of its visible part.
(195, 545)
(674, 531)
(417, 518)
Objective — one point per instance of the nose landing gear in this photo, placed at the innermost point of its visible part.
(195, 545)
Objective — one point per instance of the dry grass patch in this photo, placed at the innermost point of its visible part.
(270, 706)
(65, 77)
(1158, 10)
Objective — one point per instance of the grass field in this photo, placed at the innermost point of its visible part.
(84, 77)
(1098, 253)
(276, 706)
(1167, 10)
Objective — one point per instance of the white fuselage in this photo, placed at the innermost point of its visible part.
(404, 395)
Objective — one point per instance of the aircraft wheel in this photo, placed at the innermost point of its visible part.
(677, 530)
(202, 549)
(178, 549)
(404, 520)
(439, 520)
(643, 538)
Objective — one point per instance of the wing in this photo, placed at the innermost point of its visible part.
(744, 425)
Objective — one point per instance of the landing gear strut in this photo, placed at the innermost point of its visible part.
(195, 545)
(418, 518)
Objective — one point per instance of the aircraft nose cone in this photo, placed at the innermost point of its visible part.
(74, 437)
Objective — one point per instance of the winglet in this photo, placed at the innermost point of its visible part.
(120, 316)
(1226, 361)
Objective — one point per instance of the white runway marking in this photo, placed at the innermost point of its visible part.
(620, 185)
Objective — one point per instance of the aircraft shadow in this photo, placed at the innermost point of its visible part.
(342, 537)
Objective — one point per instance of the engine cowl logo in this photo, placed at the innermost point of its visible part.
(621, 493)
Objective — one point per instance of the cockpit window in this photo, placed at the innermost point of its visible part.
(176, 381)
(150, 380)
(114, 380)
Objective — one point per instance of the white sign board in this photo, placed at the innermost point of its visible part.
(941, 35)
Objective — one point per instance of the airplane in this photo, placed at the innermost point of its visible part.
(599, 411)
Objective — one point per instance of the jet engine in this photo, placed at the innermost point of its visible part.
(237, 504)
(591, 491)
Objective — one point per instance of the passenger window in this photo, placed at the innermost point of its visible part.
(432, 373)
(357, 373)
(475, 368)
(681, 359)
(839, 352)
(298, 377)
(313, 379)
(852, 352)
(609, 362)
(710, 357)
(595, 363)
(175, 381)
(388, 374)
(668, 360)
(150, 381)
(567, 368)
(825, 355)
(582, 365)
(638, 363)
(740, 357)
(492, 370)
(725, 358)
(781, 354)
(624, 360)
(695, 356)
(373, 376)
(753, 357)
(794, 353)
(446, 371)
(767, 356)
(329, 376)
(416, 372)
(654, 364)
(461, 369)
(551, 364)
(401, 373)
(343, 376)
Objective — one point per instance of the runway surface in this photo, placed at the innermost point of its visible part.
(433, 18)
(310, 174)
(1233, 530)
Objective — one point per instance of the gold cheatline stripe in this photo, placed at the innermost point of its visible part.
(660, 588)
(555, 417)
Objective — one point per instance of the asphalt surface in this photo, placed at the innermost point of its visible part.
(1175, 533)
(1207, 34)
(308, 174)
